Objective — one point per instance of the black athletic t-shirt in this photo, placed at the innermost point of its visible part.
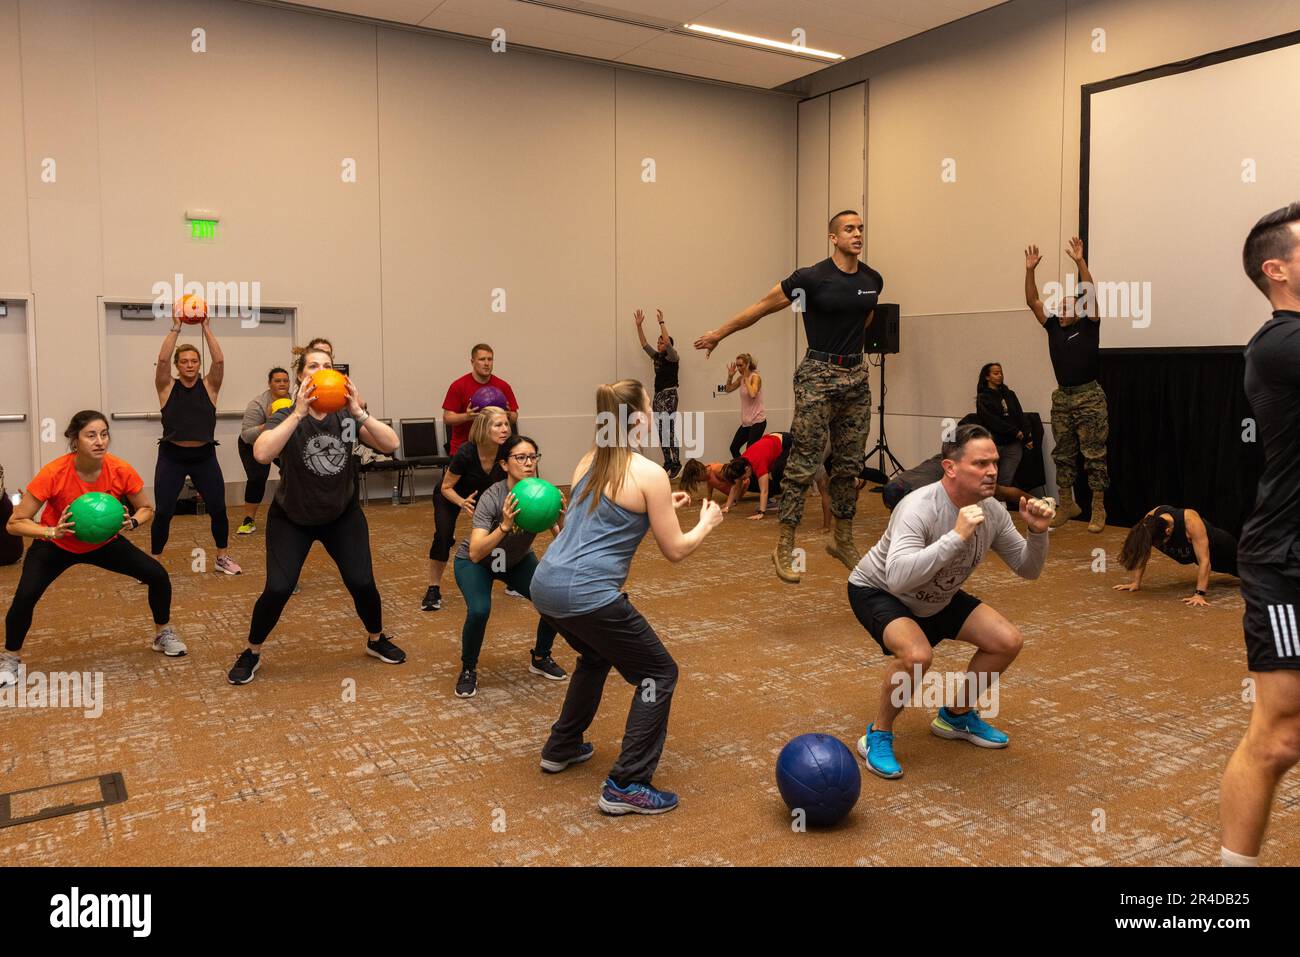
(1273, 390)
(188, 415)
(317, 469)
(1223, 547)
(1075, 350)
(836, 304)
(466, 464)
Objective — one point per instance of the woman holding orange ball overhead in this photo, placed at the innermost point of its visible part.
(316, 502)
(188, 447)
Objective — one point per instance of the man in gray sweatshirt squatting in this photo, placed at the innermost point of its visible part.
(907, 591)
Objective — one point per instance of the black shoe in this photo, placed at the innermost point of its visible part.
(385, 651)
(673, 470)
(585, 751)
(467, 684)
(432, 599)
(246, 666)
(547, 668)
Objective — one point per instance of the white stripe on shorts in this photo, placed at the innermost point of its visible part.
(1277, 635)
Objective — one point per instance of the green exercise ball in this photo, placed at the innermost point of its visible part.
(539, 504)
(96, 517)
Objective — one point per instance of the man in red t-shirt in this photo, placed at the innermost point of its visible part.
(456, 411)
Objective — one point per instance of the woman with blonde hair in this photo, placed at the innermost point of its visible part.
(188, 447)
(473, 469)
(617, 495)
(743, 375)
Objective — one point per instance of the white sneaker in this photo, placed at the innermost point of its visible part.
(168, 643)
(9, 666)
(513, 594)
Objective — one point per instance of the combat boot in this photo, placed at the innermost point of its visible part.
(783, 556)
(842, 546)
(1066, 508)
(1098, 522)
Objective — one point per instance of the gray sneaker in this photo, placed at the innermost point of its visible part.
(168, 643)
(9, 665)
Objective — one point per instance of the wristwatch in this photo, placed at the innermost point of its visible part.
(361, 420)
(135, 523)
(1201, 593)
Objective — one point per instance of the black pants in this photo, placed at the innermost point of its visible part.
(746, 436)
(616, 635)
(175, 462)
(255, 489)
(46, 561)
(346, 540)
(444, 526)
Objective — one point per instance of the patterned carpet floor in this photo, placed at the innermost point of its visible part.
(1122, 708)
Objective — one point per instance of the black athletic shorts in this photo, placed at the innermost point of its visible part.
(1272, 596)
(876, 609)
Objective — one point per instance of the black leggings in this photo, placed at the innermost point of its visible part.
(444, 526)
(46, 561)
(746, 436)
(616, 636)
(175, 462)
(255, 488)
(346, 540)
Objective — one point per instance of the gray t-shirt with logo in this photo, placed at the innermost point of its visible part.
(488, 512)
(922, 561)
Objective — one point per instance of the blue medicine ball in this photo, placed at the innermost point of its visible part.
(817, 773)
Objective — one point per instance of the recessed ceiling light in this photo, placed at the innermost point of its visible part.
(763, 42)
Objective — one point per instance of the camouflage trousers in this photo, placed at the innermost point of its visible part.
(1080, 422)
(829, 401)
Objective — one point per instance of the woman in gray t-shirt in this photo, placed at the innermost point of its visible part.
(497, 550)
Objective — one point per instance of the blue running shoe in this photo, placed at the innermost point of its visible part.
(969, 727)
(877, 748)
(635, 799)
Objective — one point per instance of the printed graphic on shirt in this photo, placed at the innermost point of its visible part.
(958, 570)
(325, 455)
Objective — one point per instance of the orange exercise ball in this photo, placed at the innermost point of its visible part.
(190, 309)
(331, 390)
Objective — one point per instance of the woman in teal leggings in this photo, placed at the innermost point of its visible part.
(497, 550)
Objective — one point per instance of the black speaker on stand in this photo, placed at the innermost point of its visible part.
(882, 340)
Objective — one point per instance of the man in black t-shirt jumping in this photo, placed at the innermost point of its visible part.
(1268, 553)
(1080, 419)
(832, 393)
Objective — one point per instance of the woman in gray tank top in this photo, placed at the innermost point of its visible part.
(617, 495)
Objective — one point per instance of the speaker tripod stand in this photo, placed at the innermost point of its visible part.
(881, 449)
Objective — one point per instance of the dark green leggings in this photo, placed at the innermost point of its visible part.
(475, 581)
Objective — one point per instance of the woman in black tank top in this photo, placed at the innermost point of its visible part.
(188, 447)
(1185, 537)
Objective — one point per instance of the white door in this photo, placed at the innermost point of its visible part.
(16, 416)
(131, 349)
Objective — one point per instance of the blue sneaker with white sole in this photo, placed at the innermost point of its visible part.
(968, 727)
(635, 799)
(877, 749)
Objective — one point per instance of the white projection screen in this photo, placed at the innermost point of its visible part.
(1178, 167)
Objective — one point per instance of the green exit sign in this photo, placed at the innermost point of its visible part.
(203, 229)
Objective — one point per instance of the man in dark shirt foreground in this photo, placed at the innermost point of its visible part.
(1268, 554)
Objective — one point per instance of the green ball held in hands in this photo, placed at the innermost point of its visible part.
(96, 517)
(539, 504)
